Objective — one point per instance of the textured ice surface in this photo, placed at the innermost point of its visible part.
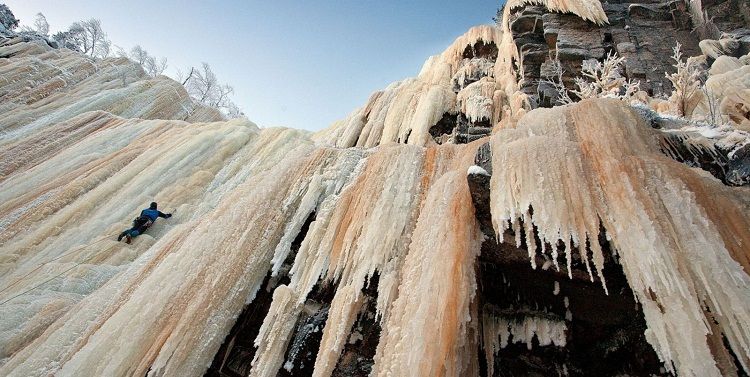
(677, 232)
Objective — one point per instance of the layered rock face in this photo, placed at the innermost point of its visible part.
(542, 36)
(446, 228)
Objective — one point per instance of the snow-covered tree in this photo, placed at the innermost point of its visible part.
(203, 86)
(713, 114)
(598, 79)
(87, 37)
(555, 79)
(41, 25)
(603, 79)
(138, 54)
(153, 66)
(68, 39)
(8, 20)
(498, 17)
(234, 111)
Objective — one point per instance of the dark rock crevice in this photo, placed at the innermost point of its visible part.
(237, 351)
(308, 332)
(457, 128)
(358, 355)
(356, 358)
(481, 49)
(443, 128)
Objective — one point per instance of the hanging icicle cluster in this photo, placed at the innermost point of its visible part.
(681, 236)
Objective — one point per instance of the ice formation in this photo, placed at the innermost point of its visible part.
(497, 332)
(405, 110)
(373, 202)
(590, 10)
(731, 86)
(683, 250)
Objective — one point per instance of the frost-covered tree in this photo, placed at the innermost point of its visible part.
(713, 112)
(183, 77)
(598, 79)
(151, 65)
(8, 20)
(155, 67)
(554, 78)
(234, 111)
(603, 79)
(87, 37)
(203, 86)
(96, 42)
(498, 17)
(68, 39)
(138, 54)
(41, 25)
(686, 83)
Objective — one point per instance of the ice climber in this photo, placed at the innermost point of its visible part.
(143, 222)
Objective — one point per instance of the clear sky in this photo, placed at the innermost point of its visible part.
(301, 64)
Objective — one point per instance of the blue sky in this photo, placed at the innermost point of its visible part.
(301, 64)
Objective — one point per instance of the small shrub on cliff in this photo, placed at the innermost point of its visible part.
(686, 82)
(598, 79)
(603, 79)
(554, 78)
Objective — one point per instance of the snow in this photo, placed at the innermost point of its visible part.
(288, 366)
(476, 101)
(477, 170)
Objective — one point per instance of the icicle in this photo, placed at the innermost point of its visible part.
(598, 259)
(517, 232)
(275, 333)
(530, 241)
(568, 256)
(343, 312)
(427, 335)
(498, 331)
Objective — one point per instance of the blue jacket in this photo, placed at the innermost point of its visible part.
(153, 214)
